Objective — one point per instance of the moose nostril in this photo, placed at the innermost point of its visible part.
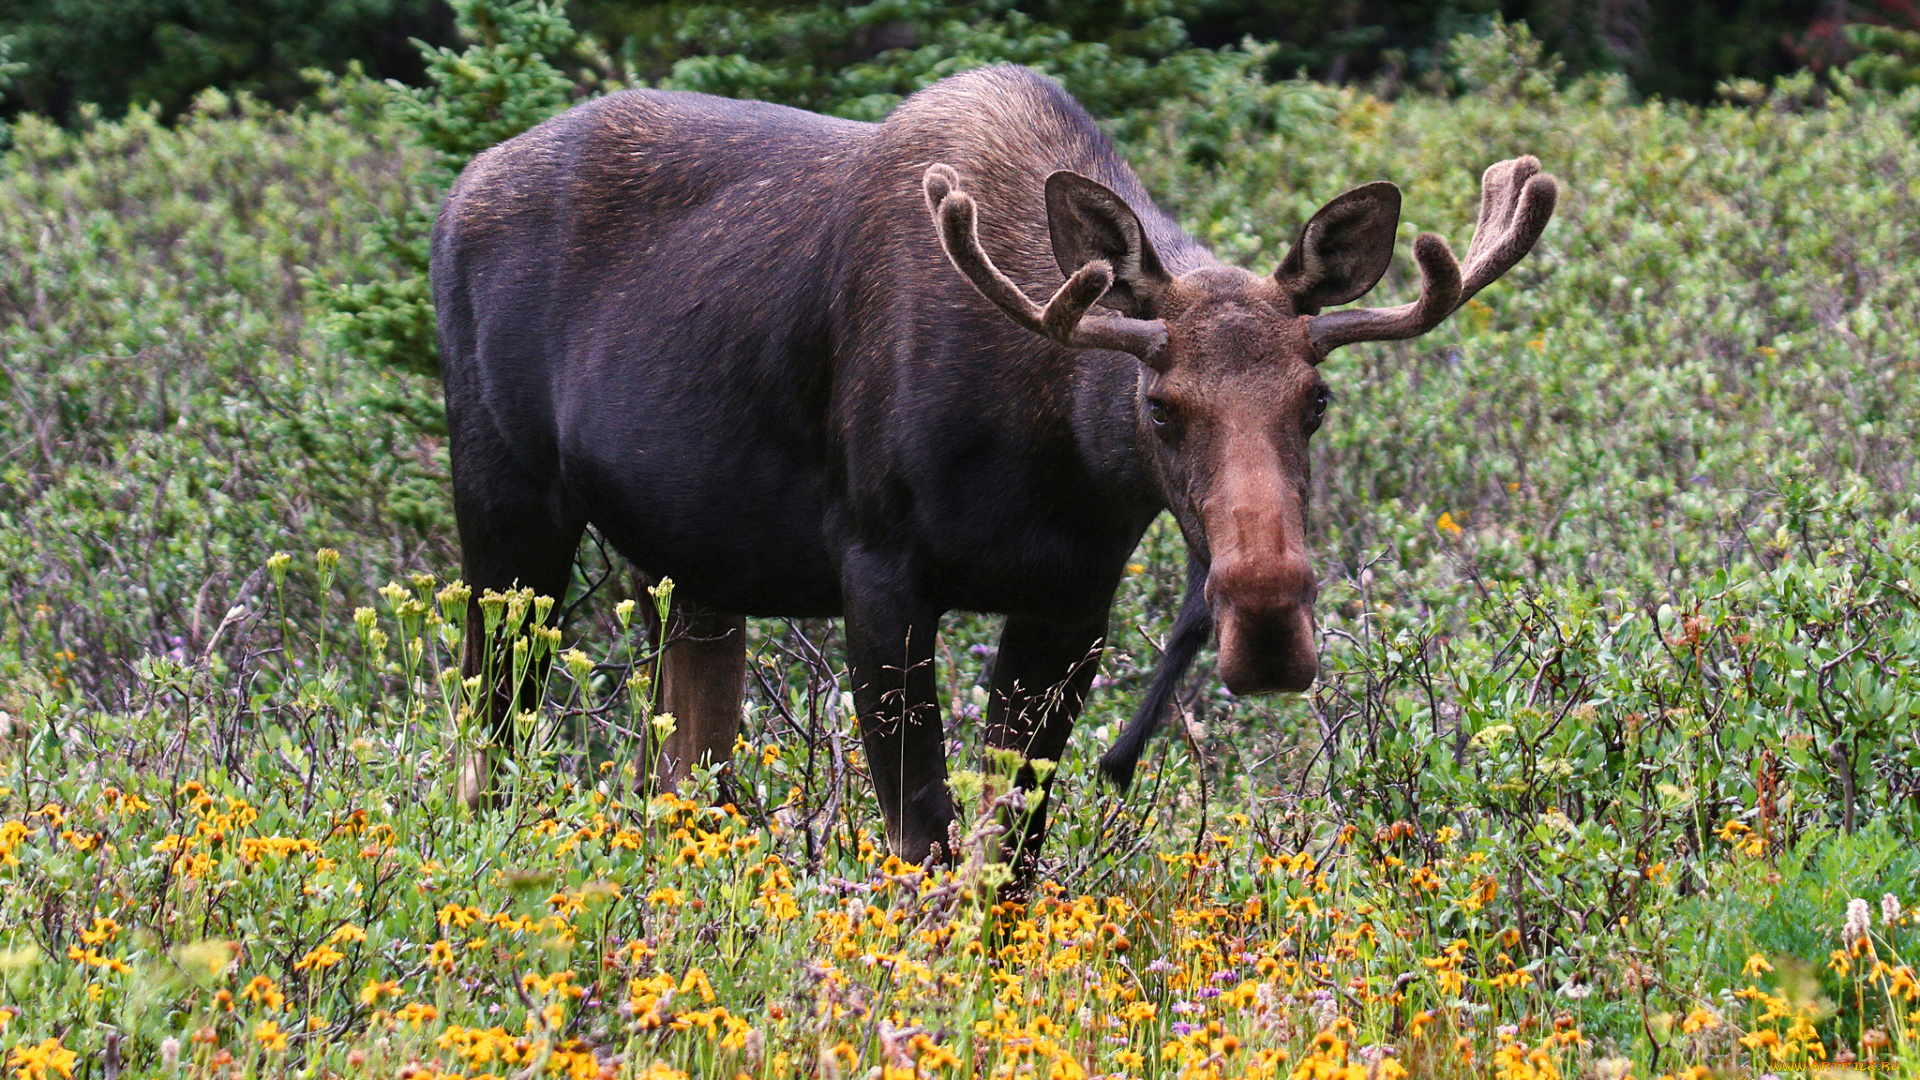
(1268, 649)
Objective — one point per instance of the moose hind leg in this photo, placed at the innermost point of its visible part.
(1041, 677)
(703, 683)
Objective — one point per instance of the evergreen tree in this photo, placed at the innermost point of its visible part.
(118, 53)
(505, 81)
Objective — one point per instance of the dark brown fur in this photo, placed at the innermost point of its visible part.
(730, 336)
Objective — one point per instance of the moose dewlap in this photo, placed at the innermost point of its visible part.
(956, 360)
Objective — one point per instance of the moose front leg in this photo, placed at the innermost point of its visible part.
(510, 537)
(890, 650)
(1041, 676)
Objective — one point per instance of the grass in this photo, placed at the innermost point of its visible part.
(1616, 726)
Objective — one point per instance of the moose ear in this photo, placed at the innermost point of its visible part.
(1343, 249)
(1088, 223)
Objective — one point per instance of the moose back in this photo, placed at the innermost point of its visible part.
(797, 364)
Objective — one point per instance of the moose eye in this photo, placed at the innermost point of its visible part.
(1321, 400)
(1166, 419)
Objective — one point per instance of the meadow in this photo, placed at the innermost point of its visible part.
(1612, 770)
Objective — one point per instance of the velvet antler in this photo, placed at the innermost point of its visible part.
(1516, 200)
(1064, 319)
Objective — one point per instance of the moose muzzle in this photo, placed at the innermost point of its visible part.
(1261, 591)
(1266, 640)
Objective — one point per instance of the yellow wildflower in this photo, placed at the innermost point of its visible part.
(269, 1035)
(103, 931)
(1699, 1020)
(696, 979)
(325, 956)
(36, 1062)
(261, 991)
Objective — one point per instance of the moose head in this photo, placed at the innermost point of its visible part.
(1230, 389)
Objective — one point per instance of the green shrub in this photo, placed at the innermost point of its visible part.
(170, 406)
(1505, 61)
(1889, 57)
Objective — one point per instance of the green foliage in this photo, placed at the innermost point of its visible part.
(1389, 40)
(1505, 61)
(116, 53)
(1889, 57)
(1683, 50)
(1795, 905)
(386, 317)
(1621, 637)
(854, 60)
(1588, 742)
(1675, 49)
(504, 82)
(10, 69)
(170, 409)
(501, 84)
(859, 60)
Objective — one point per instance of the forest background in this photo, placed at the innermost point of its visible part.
(1612, 770)
(116, 52)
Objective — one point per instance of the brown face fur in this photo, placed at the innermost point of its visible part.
(1228, 391)
(1229, 414)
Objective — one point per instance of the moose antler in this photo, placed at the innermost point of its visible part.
(1064, 319)
(1516, 199)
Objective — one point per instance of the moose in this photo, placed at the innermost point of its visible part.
(796, 363)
